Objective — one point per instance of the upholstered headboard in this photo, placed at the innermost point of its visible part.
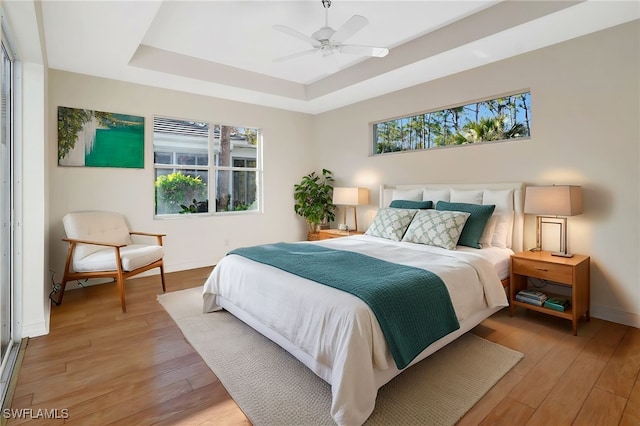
(464, 193)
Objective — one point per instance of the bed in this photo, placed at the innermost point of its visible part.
(335, 333)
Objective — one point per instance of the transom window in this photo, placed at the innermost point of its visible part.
(503, 118)
(186, 181)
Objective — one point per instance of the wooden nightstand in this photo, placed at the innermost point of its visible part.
(572, 272)
(325, 234)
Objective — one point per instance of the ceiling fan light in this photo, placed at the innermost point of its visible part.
(323, 33)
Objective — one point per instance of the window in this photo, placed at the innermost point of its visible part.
(496, 119)
(205, 168)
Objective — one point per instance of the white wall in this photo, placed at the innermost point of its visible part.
(34, 255)
(585, 99)
(191, 242)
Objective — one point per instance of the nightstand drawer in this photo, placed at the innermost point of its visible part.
(325, 234)
(546, 271)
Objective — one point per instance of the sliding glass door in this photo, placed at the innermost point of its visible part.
(9, 336)
(5, 209)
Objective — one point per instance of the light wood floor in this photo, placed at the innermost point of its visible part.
(106, 367)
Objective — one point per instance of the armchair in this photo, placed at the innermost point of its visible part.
(100, 246)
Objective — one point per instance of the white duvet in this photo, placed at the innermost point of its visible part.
(335, 333)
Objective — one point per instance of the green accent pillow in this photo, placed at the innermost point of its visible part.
(408, 204)
(436, 228)
(391, 223)
(474, 227)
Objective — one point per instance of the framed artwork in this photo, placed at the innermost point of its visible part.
(89, 138)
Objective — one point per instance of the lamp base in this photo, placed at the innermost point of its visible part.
(561, 254)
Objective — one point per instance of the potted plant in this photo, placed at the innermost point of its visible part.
(314, 199)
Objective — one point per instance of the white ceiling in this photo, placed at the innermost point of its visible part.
(226, 48)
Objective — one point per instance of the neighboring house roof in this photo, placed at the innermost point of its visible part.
(187, 128)
(180, 127)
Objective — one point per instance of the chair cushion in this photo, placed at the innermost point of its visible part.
(102, 227)
(133, 257)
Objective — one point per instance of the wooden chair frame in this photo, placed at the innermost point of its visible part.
(119, 275)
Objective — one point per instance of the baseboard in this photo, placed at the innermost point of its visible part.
(173, 267)
(627, 318)
(35, 329)
(184, 266)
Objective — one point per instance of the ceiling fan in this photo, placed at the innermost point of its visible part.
(329, 41)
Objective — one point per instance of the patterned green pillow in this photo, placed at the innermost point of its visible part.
(474, 227)
(436, 228)
(391, 223)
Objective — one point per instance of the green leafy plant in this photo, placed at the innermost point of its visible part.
(314, 198)
(195, 207)
(175, 190)
(241, 207)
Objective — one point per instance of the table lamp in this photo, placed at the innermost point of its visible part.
(557, 201)
(350, 197)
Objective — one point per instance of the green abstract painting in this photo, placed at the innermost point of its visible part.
(89, 138)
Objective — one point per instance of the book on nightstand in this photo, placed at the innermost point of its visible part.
(529, 300)
(532, 297)
(557, 303)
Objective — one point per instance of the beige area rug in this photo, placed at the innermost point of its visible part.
(274, 388)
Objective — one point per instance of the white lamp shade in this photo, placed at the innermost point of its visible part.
(557, 200)
(350, 196)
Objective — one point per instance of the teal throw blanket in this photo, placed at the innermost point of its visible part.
(412, 305)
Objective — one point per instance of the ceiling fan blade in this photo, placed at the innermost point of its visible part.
(352, 26)
(378, 52)
(297, 34)
(295, 55)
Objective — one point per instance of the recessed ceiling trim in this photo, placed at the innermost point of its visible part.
(152, 58)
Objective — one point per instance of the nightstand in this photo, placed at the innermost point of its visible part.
(325, 234)
(571, 272)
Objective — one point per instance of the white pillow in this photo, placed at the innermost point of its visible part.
(503, 231)
(487, 234)
(436, 228)
(503, 214)
(502, 199)
(391, 223)
(471, 196)
(435, 195)
(407, 194)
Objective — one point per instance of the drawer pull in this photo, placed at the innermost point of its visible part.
(541, 269)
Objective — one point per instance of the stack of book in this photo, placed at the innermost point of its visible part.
(532, 297)
(557, 303)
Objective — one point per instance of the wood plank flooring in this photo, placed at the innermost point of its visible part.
(105, 367)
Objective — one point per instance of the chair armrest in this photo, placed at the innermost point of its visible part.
(147, 234)
(95, 243)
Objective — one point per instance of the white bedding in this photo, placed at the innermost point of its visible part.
(336, 334)
(499, 257)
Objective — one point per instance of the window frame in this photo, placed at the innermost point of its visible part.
(373, 136)
(212, 168)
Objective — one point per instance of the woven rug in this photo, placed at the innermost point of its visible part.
(274, 388)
